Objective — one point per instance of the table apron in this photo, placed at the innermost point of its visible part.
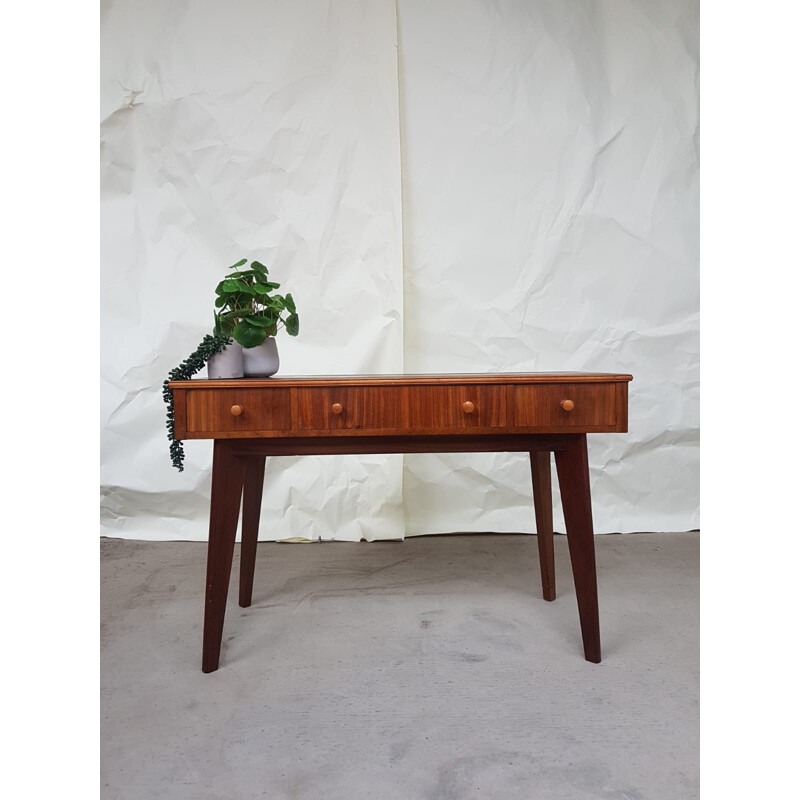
(365, 445)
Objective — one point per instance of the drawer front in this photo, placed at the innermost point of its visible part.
(214, 411)
(401, 408)
(456, 408)
(594, 406)
(350, 408)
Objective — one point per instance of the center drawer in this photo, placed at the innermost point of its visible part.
(350, 408)
(401, 408)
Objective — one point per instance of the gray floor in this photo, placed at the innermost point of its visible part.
(428, 669)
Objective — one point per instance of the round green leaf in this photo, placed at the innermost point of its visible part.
(245, 273)
(248, 335)
(292, 324)
(290, 302)
(235, 285)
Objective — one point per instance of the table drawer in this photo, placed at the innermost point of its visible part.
(401, 408)
(350, 408)
(238, 411)
(561, 406)
(448, 408)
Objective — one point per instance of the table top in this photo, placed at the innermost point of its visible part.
(410, 379)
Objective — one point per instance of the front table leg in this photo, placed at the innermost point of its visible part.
(572, 465)
(227, 477)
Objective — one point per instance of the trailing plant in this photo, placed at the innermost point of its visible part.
(249, 309)
(210, 346)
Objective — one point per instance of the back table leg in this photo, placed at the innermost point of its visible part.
(543, 508)
(573, 479)
(251, 512)
(227, 478)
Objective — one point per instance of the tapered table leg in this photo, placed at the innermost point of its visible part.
(543, 508)
(573, 479)
(251, 512)
(227, 478)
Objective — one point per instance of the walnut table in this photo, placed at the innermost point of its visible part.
(538, 413)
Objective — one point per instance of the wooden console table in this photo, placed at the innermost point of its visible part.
(538, 413)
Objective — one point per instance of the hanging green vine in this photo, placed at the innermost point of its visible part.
(210, 346)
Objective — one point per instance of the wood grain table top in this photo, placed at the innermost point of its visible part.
(420, 379)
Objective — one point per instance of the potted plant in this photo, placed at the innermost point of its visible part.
(248, 315)
(251, 312)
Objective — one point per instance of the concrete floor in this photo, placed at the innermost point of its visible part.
(429, 669)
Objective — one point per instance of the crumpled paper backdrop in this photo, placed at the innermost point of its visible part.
(547, 221)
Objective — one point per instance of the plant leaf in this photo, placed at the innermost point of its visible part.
(238, 264)
(220, 301)
(292, 324)
(245, 273)
(239, 313)
(290, 303)
(233, 286)
(261, 288)
(259, 267)
(248, 335)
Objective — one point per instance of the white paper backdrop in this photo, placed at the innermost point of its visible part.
(253, 129)
(548, 220)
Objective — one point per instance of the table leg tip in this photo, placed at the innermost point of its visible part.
(593, 659)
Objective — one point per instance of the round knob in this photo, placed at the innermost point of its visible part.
(337, 408)
(468, 406)
(567, 405)
(236, 410)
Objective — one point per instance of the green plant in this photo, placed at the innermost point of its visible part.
(210, 346)
(249, 309)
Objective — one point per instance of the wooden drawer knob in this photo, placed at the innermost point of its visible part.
(567, 405)
(236, 410)
(337, 408)
(468, 406)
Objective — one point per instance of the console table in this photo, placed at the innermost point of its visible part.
(538, 413)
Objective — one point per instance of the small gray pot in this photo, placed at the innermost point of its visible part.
(227, 363)
(261, 361)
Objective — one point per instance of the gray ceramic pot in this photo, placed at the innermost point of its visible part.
(261, 361)
(227, 364)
